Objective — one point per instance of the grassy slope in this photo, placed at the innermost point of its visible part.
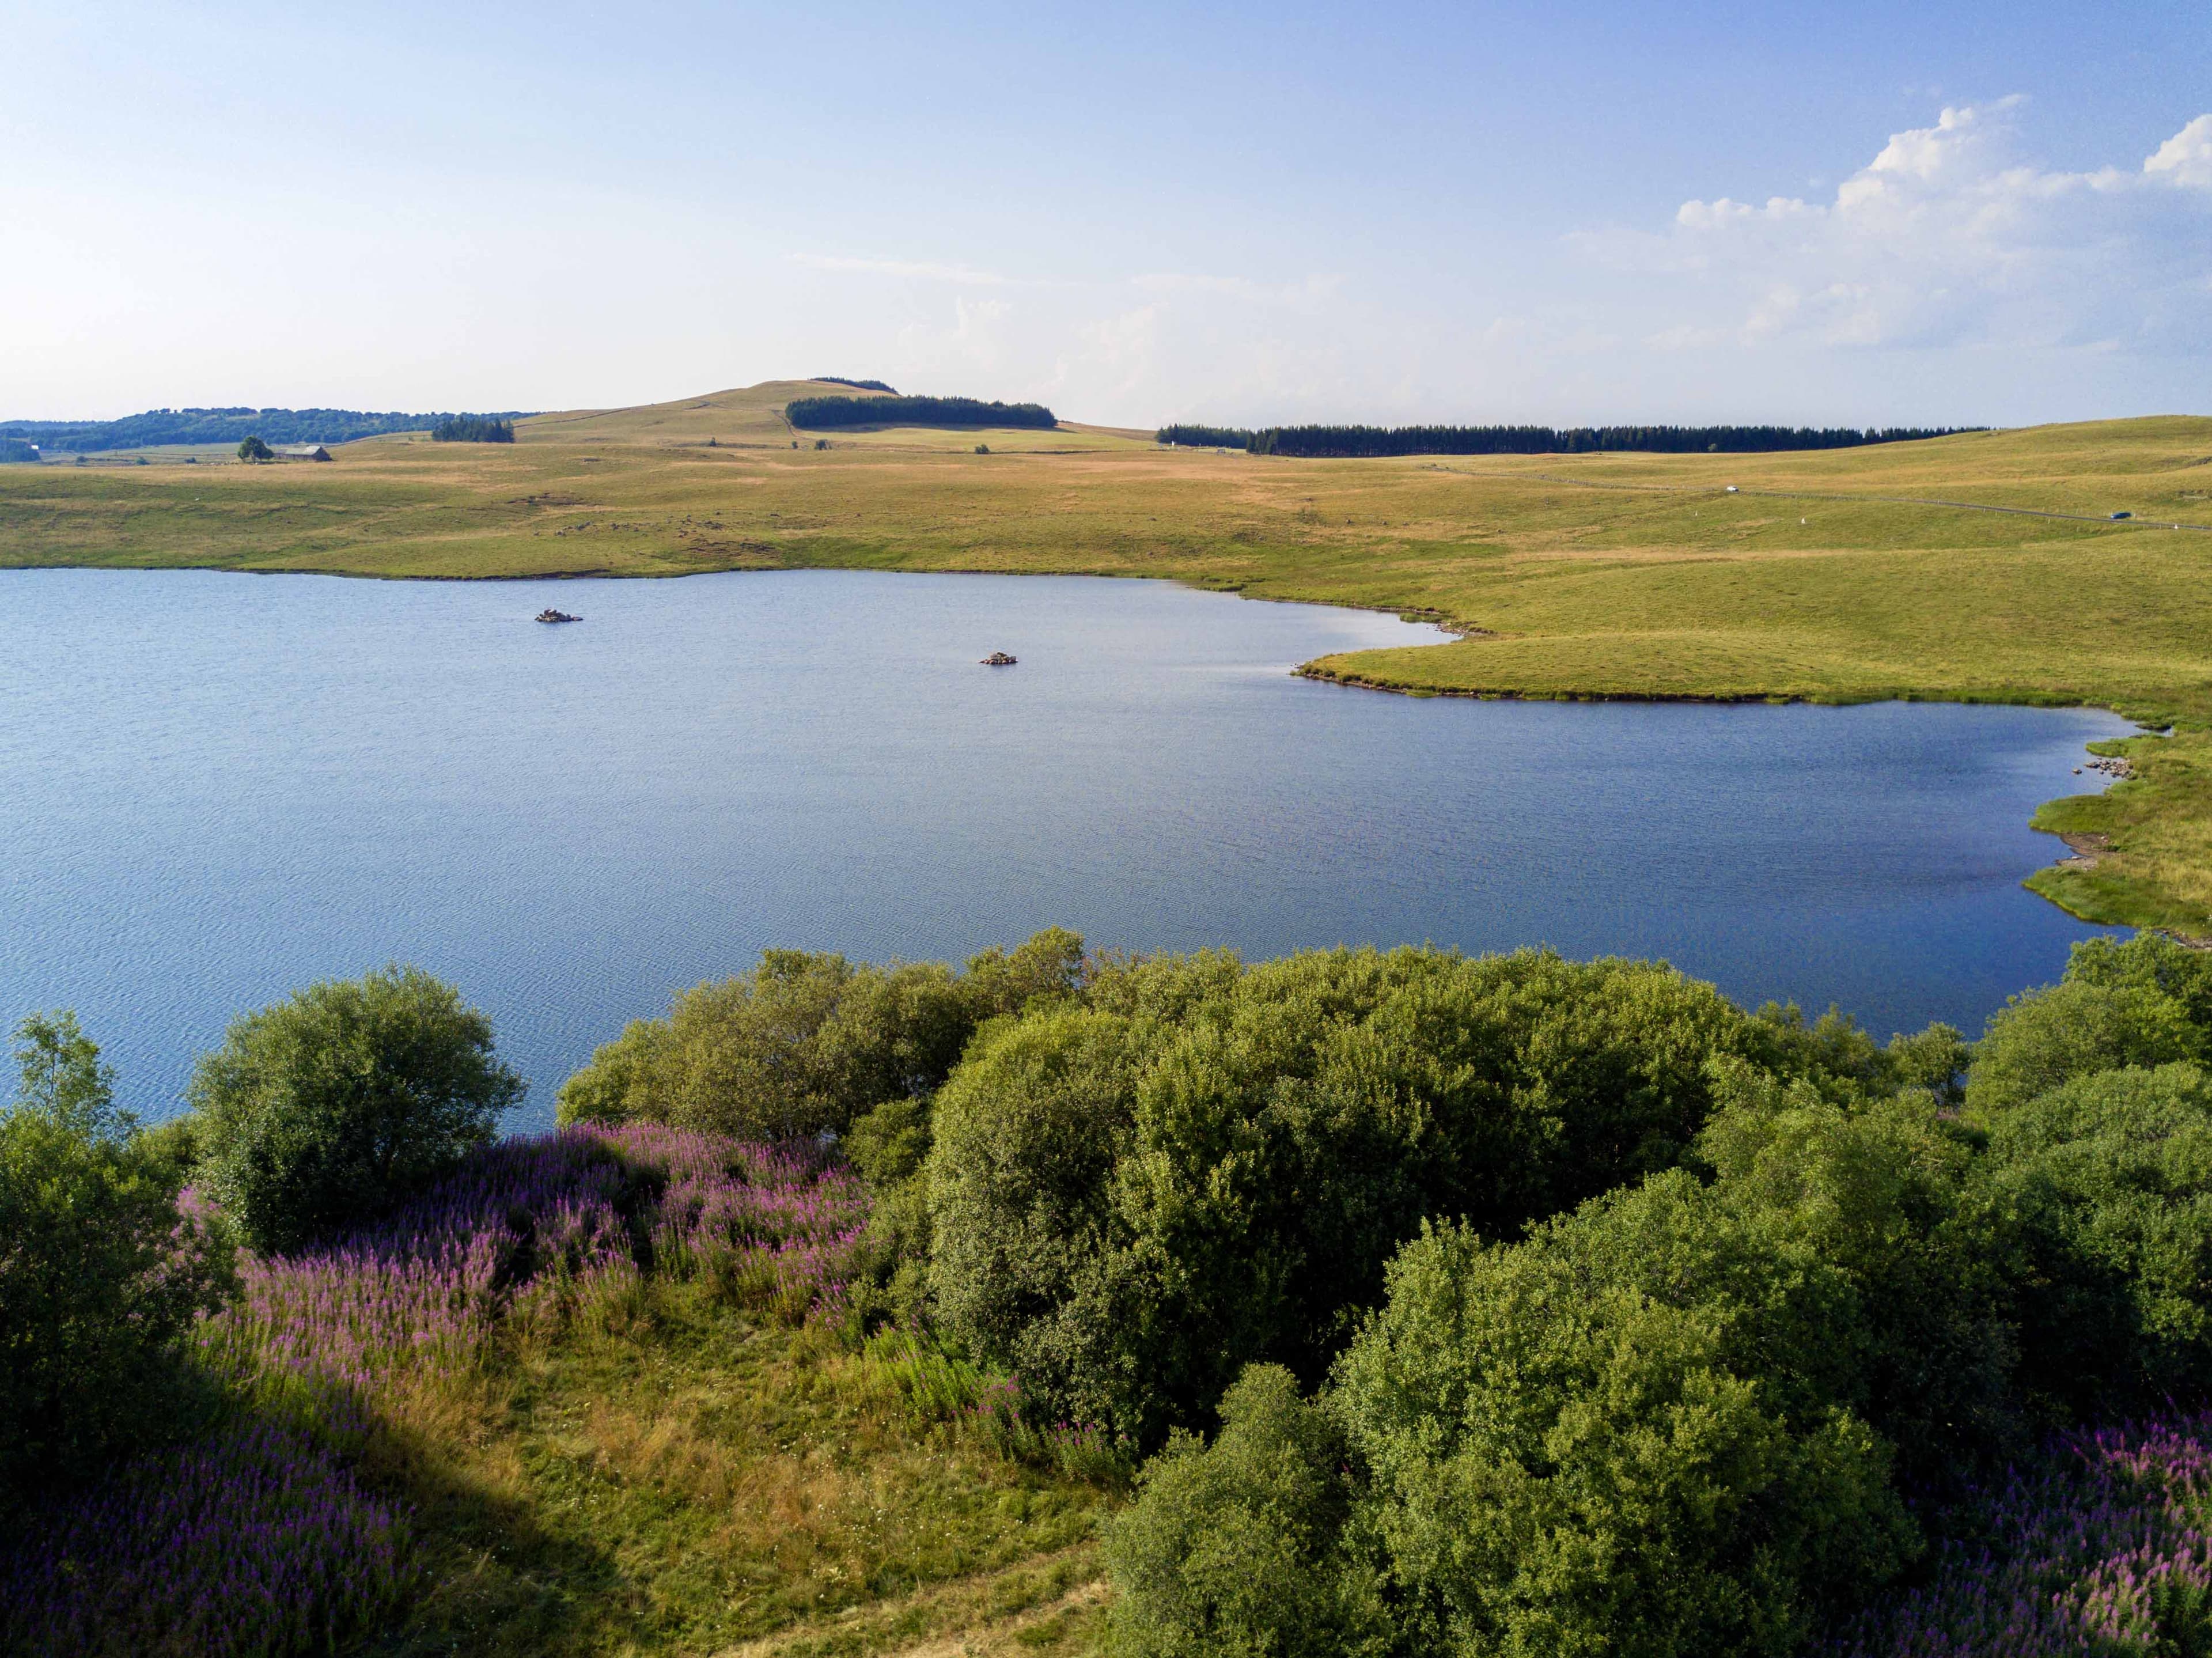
(690, 1479)
(1603, 576)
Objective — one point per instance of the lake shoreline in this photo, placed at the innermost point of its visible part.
(2113, 898)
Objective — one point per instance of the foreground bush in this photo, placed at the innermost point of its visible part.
(1677, 1421)
(807, 1043)
(1630, 1434)
(100, 1280)
(327, 1109)
(1682, 1418)
(2145, 1002)
(2105, 1189)
(1202, 1165)
(1236, 1548)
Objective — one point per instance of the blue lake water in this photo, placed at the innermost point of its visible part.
(215, 788)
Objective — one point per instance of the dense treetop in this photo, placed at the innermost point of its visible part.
(472, 428)
(101, 1277)
(1208, 437)
(832, 412)
(327, 1109)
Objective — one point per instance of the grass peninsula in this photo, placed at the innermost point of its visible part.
(1984, 567)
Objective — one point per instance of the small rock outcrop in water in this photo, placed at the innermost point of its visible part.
(998, 660)
(557, 616)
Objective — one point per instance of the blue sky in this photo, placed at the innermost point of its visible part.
(1882, 213)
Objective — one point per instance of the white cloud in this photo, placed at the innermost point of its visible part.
(1948, 238)
(2187, 157)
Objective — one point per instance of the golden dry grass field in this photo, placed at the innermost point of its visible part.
(1843, 574)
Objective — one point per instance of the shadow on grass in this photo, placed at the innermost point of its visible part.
(495, 1580)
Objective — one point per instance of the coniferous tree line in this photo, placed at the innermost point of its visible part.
(1317, 442)
(472, 428)
(1207, 437)
(860, 385)
(819, 413)
(224, 426)
(17, 449)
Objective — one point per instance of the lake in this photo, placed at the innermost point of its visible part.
(215, 787)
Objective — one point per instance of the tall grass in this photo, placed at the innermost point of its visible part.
(262, 1540)
(936, 1384)
(256, 1540)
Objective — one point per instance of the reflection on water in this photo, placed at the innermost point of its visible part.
(215, 787)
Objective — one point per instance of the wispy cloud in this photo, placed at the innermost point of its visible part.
(1308, 291)
(908, 269)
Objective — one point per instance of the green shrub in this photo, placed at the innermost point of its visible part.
(2153, 963)
(1021, 1263)
(2105, 1189)
(886, 1149)
(1204, 1166)
(1232, 1550)
(1842, 1059)
(327, 1109)
(887, 1146)
(808, 1043)
(1674, 1421)
(1618, 1436)
(1874, 1193)
(100, 1278)
(2145, 1002)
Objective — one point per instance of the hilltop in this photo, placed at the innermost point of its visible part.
(752, 416)
(1845, 574)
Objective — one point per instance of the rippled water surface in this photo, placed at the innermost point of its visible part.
(215, 787)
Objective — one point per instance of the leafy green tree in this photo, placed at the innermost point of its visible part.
(1616, 1437)
(2144, 1002)
(1875, 1192)
(2152, 963)
(1202, 1166)
(2103, 1187)
(1233, 1550)
(809, 1043)
(1674, 1421)
(100, 1277)
(1023, 1262)
(325, 1110)
(253, 448)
